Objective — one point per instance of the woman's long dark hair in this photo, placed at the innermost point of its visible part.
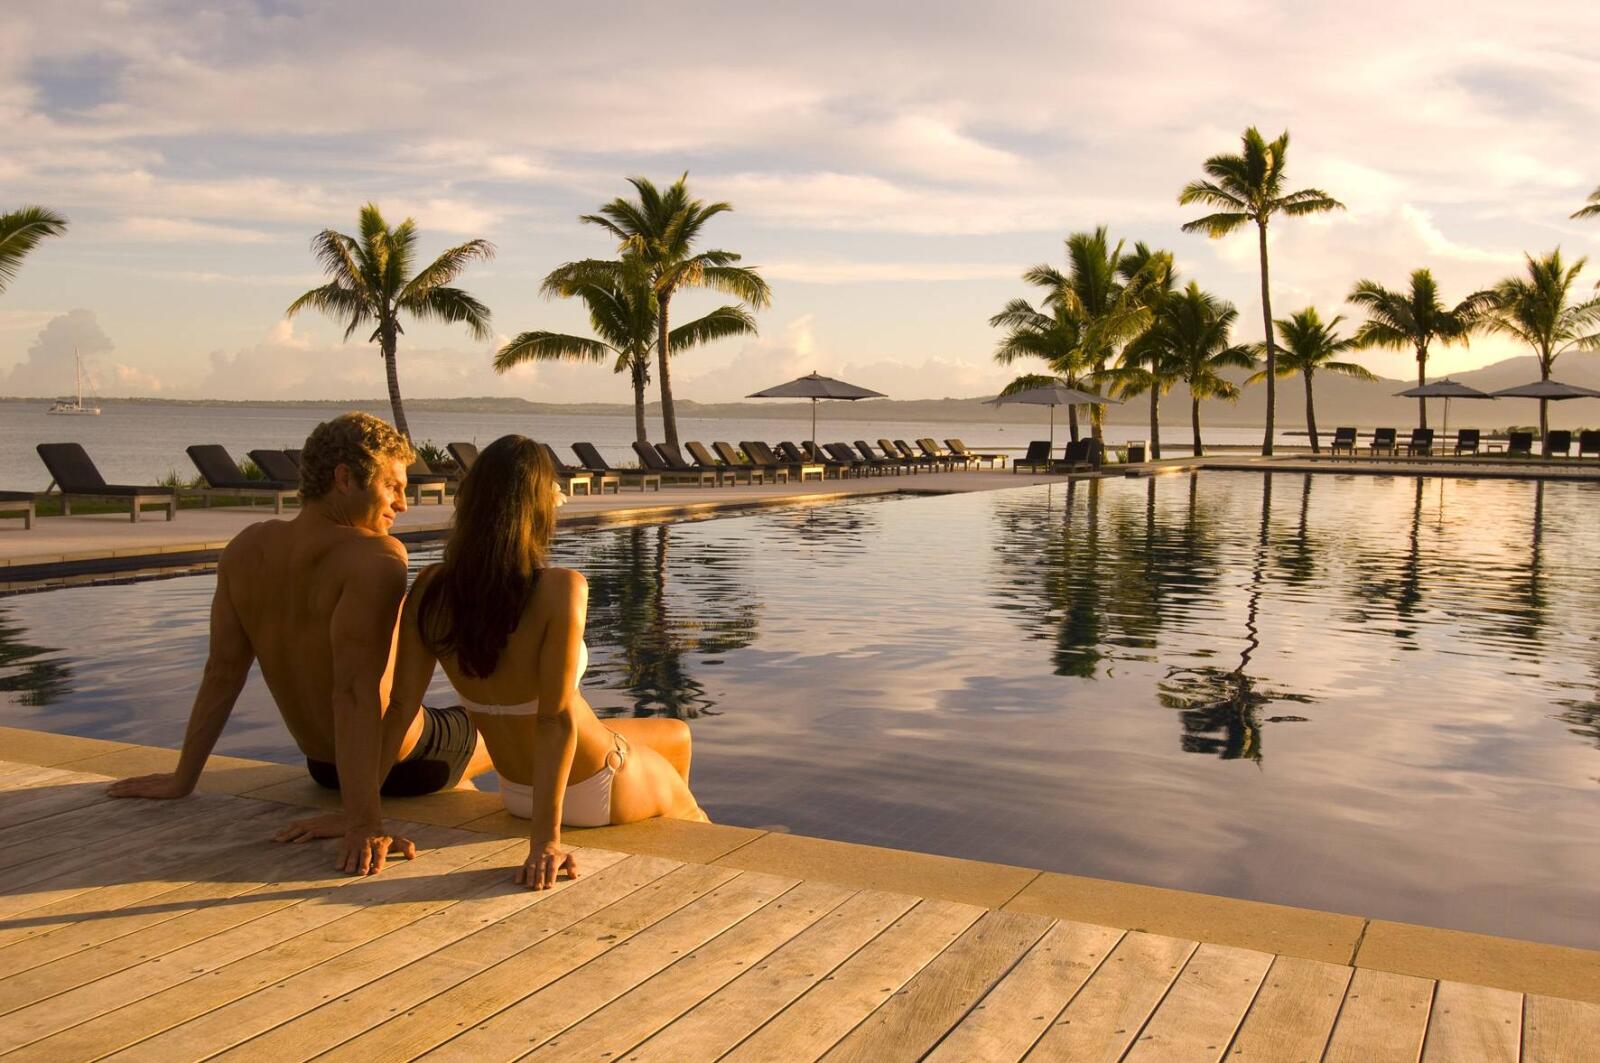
(505, 519)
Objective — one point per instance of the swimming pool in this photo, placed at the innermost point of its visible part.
(1365, 694)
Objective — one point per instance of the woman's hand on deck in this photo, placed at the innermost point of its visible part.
(363, 849)
(161, 787)
(545, 862)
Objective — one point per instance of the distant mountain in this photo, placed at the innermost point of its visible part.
(1340, 400)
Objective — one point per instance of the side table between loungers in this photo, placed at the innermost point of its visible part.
(18, 504)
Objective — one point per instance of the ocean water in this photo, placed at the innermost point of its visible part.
(138, 443)
(1363, 694)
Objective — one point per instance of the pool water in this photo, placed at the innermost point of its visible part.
(1364, 694)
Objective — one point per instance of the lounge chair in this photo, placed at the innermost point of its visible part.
(792, 454)
(224, 479)
(1086, 453)
(992, 458)
(1344, 442)
(676, 462)
(18, 504)
(1383, 442)
(1519, 445)
(763, 456)
(905, 450)
(1559, 441)
(734, 460)
(422, 480)
(572, 478)
(906, 454)
(704, 459)
(1420, 444)
(74, 473)
(1467, 441)
(1037, 459)
(465, 455)
(938, 453)
(842, 453)
(590, 460)
(885, 462)
(1588, 443)
(276, 466)
(293, 454)
(652, 460)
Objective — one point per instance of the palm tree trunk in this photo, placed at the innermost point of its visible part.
(1272, 346)
(669, 417)
(1096, 414)
(1194, 424)
(1544, 407)
(1072, 418)
(1422, 378)
(1155, 422)
(387, 342)
(639, 431)
(1311, 417)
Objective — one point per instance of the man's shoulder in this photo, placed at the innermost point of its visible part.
(254, 539)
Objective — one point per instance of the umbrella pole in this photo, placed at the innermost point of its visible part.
(1052, 428)
(815, 445)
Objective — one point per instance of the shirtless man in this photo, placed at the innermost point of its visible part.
(315, 600)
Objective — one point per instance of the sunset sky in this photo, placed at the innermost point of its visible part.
(893, 169)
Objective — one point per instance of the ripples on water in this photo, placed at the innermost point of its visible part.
(1357, 693)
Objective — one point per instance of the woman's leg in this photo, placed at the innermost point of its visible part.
(649, 786)
(664, 734)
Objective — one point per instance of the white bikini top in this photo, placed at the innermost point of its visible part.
(525, 708)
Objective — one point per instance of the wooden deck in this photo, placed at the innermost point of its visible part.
(142, 931)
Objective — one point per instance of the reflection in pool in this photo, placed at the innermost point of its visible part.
(1363, 694)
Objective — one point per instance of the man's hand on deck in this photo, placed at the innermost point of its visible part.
(162, 787)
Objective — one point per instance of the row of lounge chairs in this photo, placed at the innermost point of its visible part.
(1078, 454)
(1468, 441)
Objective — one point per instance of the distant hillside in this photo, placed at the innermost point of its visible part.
(1340, 400)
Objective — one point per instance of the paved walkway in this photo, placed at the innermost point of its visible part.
(163, 931)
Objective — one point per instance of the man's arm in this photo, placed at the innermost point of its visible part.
(228, 661)
(362, 632)
(555, 736)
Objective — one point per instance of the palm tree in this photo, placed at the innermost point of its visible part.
(1592, 209)
(1414, 318)
(659, 231)
(20, 232)
(1194, 332)
(1146, 367)
(1108, 309)
(1537, 309)
(1248, 187)
(1310, 345)
(371, 282)
(624, 321)
(1048, 333)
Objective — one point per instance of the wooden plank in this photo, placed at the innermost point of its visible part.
(356, 1011)
(940, 995)
(1474, 1024)
(1007, 1022)
(1204, 1007)
(733, 1012)
(656, 1001)
(110, 821)
(1293, 1014)
(55, 930)
(1384, 1018)
(49, 797)
(236, 1003)
(421, 1028)
(544, 1013)
(811, 1025)
(1104, 1017)
(1559, 1031)
(90, 1010)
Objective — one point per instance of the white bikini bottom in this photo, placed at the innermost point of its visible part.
(587, 803)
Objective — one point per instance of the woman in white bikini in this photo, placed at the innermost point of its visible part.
(509, 633)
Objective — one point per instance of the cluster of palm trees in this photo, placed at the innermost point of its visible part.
(1120, 318)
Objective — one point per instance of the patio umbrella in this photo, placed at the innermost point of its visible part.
(1547, 391)
(815, 386)
(1052, 395)
(1445, 389)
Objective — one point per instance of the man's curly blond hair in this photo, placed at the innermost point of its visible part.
(358, 440)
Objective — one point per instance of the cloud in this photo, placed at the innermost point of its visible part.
(846, 272)
(47, 368)
(180, 230)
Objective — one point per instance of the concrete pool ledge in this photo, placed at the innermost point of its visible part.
(1349, 940)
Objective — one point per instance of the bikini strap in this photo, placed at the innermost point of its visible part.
(619, 750)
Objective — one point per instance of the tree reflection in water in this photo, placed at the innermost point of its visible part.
(659, 625)
(35, 674)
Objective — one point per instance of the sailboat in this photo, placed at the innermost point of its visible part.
(75, 406)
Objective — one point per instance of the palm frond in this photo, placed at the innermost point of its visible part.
(452, 306)
(1592, 209)
(447, 267)
(741, 282)
(20, 232)
(539, 346)
(721, 323)
(1217, 225)
(1029, 381)
(337, 301)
